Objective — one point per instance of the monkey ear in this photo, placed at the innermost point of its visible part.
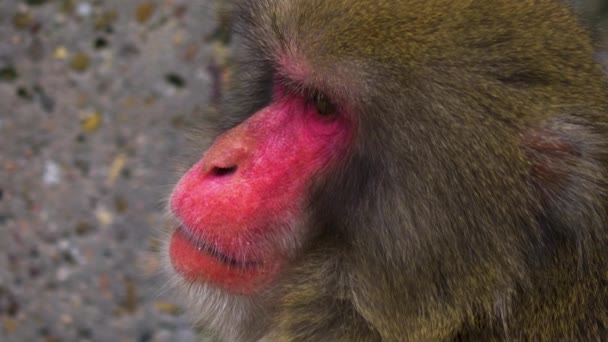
(566, 172)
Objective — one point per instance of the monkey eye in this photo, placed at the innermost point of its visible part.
(323, 105)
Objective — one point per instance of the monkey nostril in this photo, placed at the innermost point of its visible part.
(223, 171)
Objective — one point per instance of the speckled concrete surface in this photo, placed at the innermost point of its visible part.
(94, 100)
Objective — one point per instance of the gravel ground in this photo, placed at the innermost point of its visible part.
(94, 99)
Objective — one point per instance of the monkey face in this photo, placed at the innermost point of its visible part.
(240, 205)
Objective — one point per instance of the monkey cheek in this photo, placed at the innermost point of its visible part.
(197, 266)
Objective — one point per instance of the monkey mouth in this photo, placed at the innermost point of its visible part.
(205, 248)
(199, 261)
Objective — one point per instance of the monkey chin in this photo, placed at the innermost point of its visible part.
(197, 262)
(229, 315)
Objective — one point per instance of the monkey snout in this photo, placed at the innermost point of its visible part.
(229, 153)
(223, 161)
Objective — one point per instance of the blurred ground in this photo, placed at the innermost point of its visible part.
(94, 98)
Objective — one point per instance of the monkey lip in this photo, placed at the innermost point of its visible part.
(198, 262)
(204, 247)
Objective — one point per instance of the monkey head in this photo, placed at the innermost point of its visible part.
(400, 170)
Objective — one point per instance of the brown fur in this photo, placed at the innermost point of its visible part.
(472, 205)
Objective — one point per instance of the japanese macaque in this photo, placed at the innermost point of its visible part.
(401, 170)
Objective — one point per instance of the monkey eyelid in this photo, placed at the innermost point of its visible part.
(324, 105)
(313, 96)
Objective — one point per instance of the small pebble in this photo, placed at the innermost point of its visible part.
(144, 12)
(91, 122)
(63, 273)
(23, 21)
(105, 21)
(60, 52)
(10, 325)
(52, 173)
(168, 308)
(104, 216)
(8, 74)
(84, 9)
(175, 80)
(80, 62)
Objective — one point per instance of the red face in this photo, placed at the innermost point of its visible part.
(240, 206)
